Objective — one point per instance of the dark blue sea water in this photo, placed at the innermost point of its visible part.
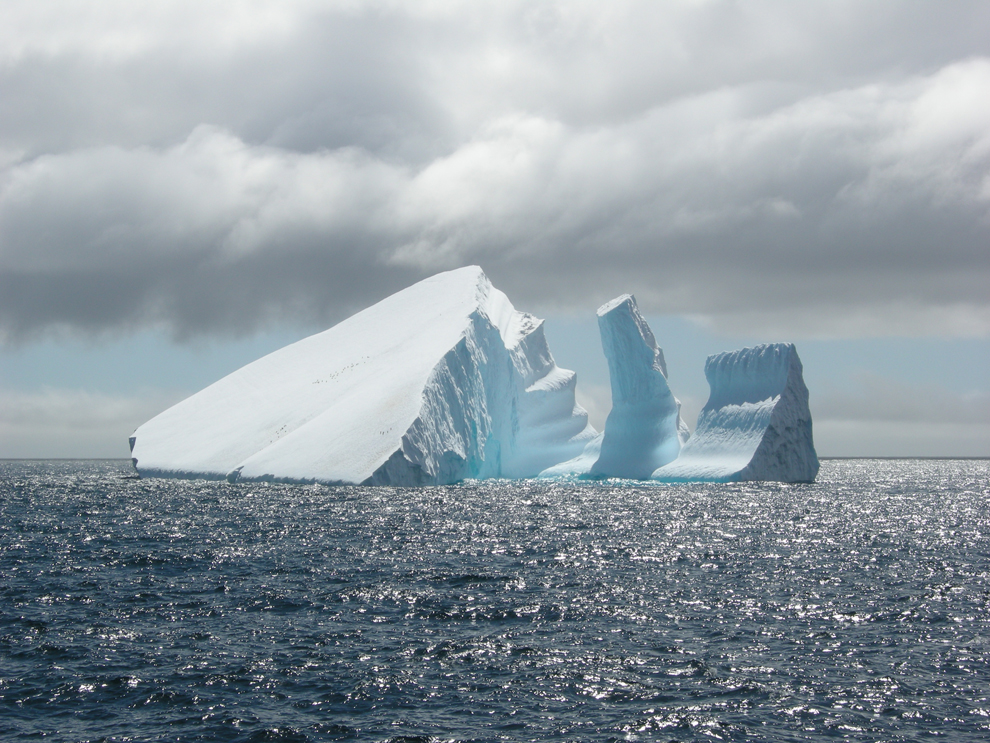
(858, 608)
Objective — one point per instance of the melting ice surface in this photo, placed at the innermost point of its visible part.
(756, 424)
(442, 381)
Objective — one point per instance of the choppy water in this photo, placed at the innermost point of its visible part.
(855, 608)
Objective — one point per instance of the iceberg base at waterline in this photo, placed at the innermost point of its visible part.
(438, 383)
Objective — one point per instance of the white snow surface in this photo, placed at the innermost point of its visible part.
(437, 383)
(756, 424)
(644, 429)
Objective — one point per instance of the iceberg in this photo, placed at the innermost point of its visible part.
(756, 424)
(644, 429)
(438, 383)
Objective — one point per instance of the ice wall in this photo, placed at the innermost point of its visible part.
(756, 424)
(644, 429)
(440, 382)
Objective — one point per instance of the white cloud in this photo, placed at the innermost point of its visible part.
(211, 167)
(898, 439)
(119, 30)
(790, 209)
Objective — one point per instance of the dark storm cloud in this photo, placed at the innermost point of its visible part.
(821, 167)
(210, 234)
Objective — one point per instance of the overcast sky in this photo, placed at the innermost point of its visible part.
(222, 176)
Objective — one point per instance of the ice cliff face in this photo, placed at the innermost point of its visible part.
(756, 424)
(644, 429)
(440, 382)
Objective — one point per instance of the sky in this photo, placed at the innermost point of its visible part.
(185, 186)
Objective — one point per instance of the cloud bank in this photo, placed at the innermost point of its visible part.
(820, 168)
(73, 423)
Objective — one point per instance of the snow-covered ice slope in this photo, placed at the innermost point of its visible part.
(644, 429)
(442, 381)
(756, 424)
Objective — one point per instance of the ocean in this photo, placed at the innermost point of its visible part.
(159, 610)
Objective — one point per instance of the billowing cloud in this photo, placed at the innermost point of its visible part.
(819, 168)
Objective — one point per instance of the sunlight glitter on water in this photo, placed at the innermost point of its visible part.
(187, 610)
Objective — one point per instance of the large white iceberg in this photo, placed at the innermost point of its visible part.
(440, 382)
(756, 424)
(644, 429)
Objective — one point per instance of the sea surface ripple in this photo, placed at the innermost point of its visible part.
(159, 610)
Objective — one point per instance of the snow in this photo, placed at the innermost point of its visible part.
(756, 424)
(644, 429)
(440, 382)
